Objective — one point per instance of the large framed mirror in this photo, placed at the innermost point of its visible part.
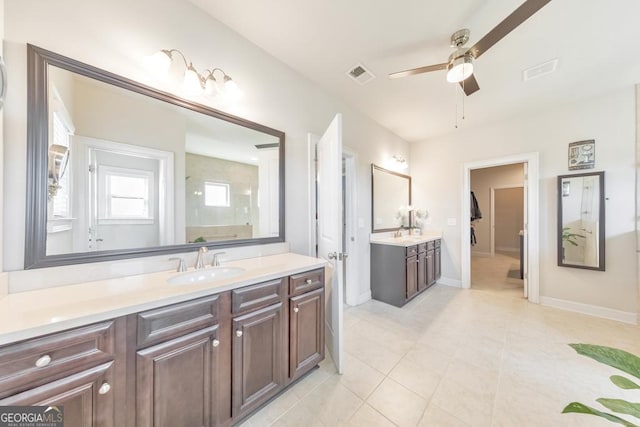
(390, 200)
(581, 221)
(116, 169)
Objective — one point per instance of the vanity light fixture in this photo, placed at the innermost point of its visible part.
(399, 162)
(195, 83)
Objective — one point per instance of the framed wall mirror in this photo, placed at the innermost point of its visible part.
(116, 169)
(581, 221)
(390, 200)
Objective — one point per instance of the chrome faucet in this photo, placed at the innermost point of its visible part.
(216, 259)
(181, 265)
(200, 258)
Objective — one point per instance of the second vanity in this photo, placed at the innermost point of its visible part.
(143, 351)
(403, 267)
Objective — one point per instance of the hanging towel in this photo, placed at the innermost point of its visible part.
(475, 209)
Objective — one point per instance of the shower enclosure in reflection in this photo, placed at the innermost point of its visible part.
(581, 233)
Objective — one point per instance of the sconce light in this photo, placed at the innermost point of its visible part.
(195, 83)
(58, 159)
(398, 162)
(3, 82)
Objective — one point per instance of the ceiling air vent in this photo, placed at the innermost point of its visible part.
(540, 70)
(360, 74)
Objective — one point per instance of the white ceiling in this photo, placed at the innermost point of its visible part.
(596, 42)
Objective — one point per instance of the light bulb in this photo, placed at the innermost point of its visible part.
(191, 83)
(159, 63)
(211, 86)
(460, 67)
(231, 90)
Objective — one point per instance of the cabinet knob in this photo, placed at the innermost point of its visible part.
(104, 388)
(296, 309)
(308, 281)
(238, 333)
(43, 361)
(215, 343)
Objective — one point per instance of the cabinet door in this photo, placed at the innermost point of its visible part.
(176, 379)
(87, 397)
(412, 276)
(257, 358)
(422, 271)
(306, 332)
(431, 273)
(437, 265)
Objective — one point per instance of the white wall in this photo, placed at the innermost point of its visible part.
(610, 120)
(118, 34)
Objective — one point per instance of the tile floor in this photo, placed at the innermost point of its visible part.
(498, 273)
(456, 357)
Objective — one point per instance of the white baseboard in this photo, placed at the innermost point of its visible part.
(364, 297)
(592, 310)
(481, 254)
(450, 282)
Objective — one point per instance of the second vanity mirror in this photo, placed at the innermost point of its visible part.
(146, 172)
(390, 200)
(581, 220)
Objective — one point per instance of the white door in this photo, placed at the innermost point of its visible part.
(329, 209)
(524, 256)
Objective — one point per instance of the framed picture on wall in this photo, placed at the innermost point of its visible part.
(582, 154)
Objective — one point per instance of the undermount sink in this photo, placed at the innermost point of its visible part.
(205, 275)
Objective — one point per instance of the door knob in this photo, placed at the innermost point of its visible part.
(332, 255)
(342, 255)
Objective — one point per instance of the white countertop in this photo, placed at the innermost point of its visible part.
(29, 314)
(404, 240)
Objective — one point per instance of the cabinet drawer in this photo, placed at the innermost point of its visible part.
(257, 296)
(31, 363)
(168, 322)
(412, 250)
(422, 247)
(305, 282)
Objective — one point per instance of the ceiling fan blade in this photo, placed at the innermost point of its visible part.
(418, 70)
(510, 23)
(470, 85)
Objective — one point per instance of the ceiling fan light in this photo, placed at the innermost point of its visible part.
(459, 69)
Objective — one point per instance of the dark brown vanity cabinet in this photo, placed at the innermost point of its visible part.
(177, 364)
(258, 362)
(306, 322)
(209, 361)
(80, 369)
(437, 263)
(399, 273)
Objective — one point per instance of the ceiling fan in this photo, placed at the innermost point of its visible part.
(460, 64)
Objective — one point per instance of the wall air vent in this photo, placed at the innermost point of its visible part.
(360, 74)
(540, 70)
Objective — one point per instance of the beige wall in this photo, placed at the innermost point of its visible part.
(482, 181)
(509, 218)
(117, 36)
(610, 119)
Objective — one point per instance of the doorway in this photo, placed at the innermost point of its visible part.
(530, 238)
(496, 262)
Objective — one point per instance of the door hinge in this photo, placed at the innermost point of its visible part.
(92, 168)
